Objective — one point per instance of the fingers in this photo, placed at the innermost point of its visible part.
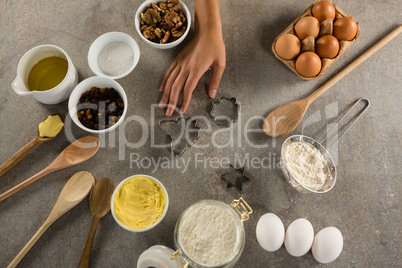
(185, 101)
(167, 75)
(216, 77)
(175, 90)
(167, 87)
(191, 83)
(185, 76)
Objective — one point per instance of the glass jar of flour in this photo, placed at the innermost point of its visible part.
(209, 234)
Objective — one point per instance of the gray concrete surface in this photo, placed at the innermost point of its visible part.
(364, 204)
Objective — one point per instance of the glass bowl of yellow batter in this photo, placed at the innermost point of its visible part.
(139, 203)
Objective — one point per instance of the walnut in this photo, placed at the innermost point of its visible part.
(175, 8)
(177, 26)
(156, 7)
(149, 33)
(165, 38)
(163, 5)
(169, 20)
(159, 33)
(176, 18)
(151, 17)
(179, 33)
(183, 19)
(174, 2)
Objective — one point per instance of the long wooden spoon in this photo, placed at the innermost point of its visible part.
(74, 154)
(286, 118)
(99, 202)
(75, 190)
(18, 156)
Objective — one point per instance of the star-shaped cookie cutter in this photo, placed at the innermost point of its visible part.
(235, 178)
(178, 147)
(225, 120)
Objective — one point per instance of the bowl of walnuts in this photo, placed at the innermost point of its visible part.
(163, 24)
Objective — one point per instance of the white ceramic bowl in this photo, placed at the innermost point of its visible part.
(153, 225)
(95, 81)
(103, 41)
(144, 6)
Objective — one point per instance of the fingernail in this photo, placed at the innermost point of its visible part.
(162, 104)
(161, 88)
(182, 110)
(213, 93)
(169, 111)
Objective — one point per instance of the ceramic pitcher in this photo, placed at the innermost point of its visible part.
(54, 95)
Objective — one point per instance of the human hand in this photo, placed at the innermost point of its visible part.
(206, 51)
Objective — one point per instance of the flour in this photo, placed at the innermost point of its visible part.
(209, 235)
(115, 58)
(307, 165)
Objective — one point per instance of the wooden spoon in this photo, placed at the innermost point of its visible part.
(75, 190)
(18, 156)
(74, 154)
(286, 118)
(99, 199)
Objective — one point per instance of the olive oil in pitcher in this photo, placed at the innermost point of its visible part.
(47, 73)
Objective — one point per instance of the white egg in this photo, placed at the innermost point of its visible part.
(299, 237)
(328, 244)
(270, 232)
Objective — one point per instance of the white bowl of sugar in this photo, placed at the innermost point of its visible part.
(113, 55)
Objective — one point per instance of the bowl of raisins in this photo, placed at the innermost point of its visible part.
(98, 104)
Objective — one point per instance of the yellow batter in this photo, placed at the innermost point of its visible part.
(51, 126)
(139, 202)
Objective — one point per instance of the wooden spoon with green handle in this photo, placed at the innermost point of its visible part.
(286, 118)
(99, 202)
(75, 190)
(18, 156)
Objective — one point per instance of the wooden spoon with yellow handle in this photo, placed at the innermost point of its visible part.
(18, 156)
(286, 118)
(75, 190)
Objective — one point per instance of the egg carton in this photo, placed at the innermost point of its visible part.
(306, 46)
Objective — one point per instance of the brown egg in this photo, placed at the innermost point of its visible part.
(288, 46)
(308, 64)
(323, 10)
(307, 26)
(327, 47)
(345, 28)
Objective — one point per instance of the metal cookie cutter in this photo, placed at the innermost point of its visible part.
(225, 111)
(235, 178)
(182, 132)
(331, 168)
